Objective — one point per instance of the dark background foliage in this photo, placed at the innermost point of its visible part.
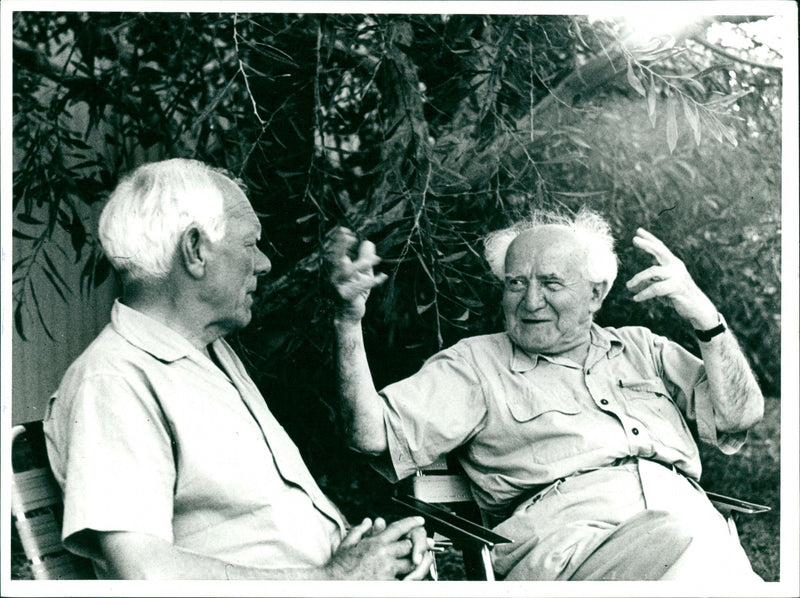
(421, 133)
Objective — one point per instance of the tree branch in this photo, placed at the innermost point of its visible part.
(717, 50)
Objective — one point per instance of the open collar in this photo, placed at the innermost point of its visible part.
(155, 338)
(603, 343)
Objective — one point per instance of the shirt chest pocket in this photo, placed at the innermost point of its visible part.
(644, 388)
(527, 405)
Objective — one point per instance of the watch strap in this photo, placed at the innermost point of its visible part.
(707, 335)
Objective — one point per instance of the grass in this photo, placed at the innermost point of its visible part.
(752, 474)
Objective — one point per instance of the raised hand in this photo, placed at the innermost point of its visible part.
(352, 279)
(670, 279)
(380, 552)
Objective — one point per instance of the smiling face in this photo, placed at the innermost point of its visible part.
(235, 262)
(547, 300)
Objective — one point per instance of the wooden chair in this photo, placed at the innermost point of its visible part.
(37, 510)
(444, 485)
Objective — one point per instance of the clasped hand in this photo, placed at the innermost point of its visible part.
(376, 551)
(670, 279)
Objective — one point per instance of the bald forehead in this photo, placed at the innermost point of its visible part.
(552, 242)
(235, 202)
(547, 235)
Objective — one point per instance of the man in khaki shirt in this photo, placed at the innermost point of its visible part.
(171, 463)
(577, 439)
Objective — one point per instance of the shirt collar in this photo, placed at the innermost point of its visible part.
(602, 340)
(142, 331)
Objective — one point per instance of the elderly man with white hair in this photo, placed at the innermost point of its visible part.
(576, 438)
(172, 466)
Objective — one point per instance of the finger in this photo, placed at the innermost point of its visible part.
(419, 544)
(651, 274)
(657, 289)
(652, 245)
(400, 528)
(339, 242)
(367, 254)
(378, 526)
(421, 571)
(355, 534)
(400, 549)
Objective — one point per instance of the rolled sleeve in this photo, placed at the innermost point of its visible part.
(727, 442)
(431, 413)
(686, 373)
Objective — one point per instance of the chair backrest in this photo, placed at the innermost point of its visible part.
(37, 510)
(444, 483)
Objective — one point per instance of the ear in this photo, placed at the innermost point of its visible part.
(599, 292)
(192, 251)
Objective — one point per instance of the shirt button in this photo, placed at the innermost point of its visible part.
(603, 401)
(635, 431)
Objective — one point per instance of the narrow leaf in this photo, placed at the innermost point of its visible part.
(730, 134)
(18, 325)
(55, 271)
(634, 82)
(651, 101)
(690, 111)
(39, 313)
(53, 282)
(672, 125)
(19, 235)
(28, 219)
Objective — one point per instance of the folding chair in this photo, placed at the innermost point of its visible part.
(444, 484)
(442, 495)
(37, 511)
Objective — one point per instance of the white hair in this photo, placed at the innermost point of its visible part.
(589, 227)
(151, 207)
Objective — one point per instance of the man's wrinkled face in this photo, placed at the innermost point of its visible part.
(236, 262)
(547, 300)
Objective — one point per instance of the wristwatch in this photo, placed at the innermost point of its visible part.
(707, 335)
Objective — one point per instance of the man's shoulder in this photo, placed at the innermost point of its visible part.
(482, 347)
(108, 354)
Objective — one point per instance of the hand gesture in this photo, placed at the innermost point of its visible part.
(353, 280)
(669, 278)
(380, 552)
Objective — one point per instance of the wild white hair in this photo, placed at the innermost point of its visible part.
(589, 227)
(151, 207)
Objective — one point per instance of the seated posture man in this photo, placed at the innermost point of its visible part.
(576, 438)
(172, 466)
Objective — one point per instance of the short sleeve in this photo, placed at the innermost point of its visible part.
(431, 413)
(112, 450)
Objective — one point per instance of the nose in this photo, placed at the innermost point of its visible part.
(262, 264)
(534, 298)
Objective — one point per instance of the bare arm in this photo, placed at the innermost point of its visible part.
(371, 551)
(738, 402)
(353, 280)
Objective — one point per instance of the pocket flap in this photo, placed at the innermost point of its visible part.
(645, 385)
(528, 405)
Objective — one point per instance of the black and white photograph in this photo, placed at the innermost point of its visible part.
(399, 298)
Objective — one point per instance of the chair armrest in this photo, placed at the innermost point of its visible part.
(728, 504)
(450, 525)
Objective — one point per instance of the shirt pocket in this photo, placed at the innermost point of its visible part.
(528, 405)
(644, 388)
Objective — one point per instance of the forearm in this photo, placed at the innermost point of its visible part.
(362, 405)
(738, 402)
(126, 555)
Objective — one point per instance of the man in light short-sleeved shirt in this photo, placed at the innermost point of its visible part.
(577, 439)
(172, 466)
